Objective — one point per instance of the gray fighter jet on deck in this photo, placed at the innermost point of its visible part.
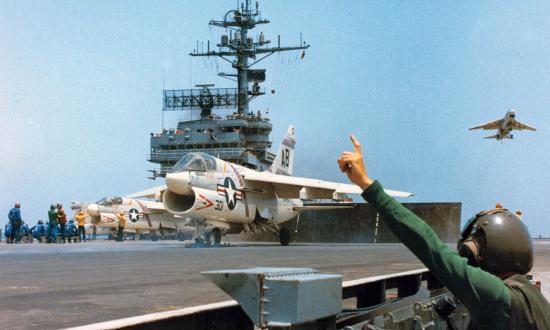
(504, 126)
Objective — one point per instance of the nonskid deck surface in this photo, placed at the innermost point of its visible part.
(56, 286)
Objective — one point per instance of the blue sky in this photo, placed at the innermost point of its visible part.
(81, 89)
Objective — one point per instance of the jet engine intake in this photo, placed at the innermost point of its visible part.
(208, 204)
(176, 203)
(95, 219)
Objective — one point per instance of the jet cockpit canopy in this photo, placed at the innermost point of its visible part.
(196, 161)
(110, 201)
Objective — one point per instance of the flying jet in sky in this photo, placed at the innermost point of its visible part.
(142, 216)
(219, 197)
(504, 126)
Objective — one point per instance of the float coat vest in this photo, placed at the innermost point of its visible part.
(121, 221)
(81, 219)
(62, 217)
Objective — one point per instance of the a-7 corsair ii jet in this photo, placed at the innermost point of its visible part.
(218, 197)
(504, 126)
(142, 216)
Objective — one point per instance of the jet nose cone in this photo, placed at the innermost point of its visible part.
(93, 209)
(179, 183)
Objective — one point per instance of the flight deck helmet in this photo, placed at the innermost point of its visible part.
(497, 242)
(52, 207)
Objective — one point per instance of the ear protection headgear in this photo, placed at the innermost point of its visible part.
(497, 242)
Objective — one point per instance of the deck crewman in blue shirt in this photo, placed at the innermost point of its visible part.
(15, 222)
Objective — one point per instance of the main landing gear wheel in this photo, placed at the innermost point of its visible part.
(213, 237)
(284, 236)
(217, 235)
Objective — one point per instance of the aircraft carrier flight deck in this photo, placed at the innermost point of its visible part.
(59, 286)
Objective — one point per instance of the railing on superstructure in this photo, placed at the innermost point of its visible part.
(175, 155)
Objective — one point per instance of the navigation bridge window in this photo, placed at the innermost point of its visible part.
(195, 162)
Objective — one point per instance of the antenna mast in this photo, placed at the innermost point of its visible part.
(238, 48)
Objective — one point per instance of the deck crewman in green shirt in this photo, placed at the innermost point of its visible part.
(486, 274)
(52, 216)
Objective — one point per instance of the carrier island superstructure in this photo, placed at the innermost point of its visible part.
(241, 137)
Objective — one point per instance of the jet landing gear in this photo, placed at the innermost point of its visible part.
(214, 237)
(206, 237)
(217, 235)
(284, 236)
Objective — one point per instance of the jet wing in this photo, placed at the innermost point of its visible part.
(491, 125)
(304, 188)
(520, 126)
(147, 193)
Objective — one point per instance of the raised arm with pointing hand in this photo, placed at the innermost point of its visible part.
(352, 164)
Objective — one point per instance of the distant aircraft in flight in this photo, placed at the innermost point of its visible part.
(504, 126)
(221, 197)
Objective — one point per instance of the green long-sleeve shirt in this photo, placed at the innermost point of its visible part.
(485, 296)
(52, 216)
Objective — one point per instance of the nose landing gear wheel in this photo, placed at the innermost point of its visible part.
(284, 236)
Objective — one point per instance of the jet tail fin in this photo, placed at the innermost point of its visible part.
(284, 161)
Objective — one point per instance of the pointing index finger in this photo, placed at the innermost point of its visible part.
(356, 143)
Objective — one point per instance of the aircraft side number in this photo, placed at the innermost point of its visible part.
(285, 157)
(219, 206)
